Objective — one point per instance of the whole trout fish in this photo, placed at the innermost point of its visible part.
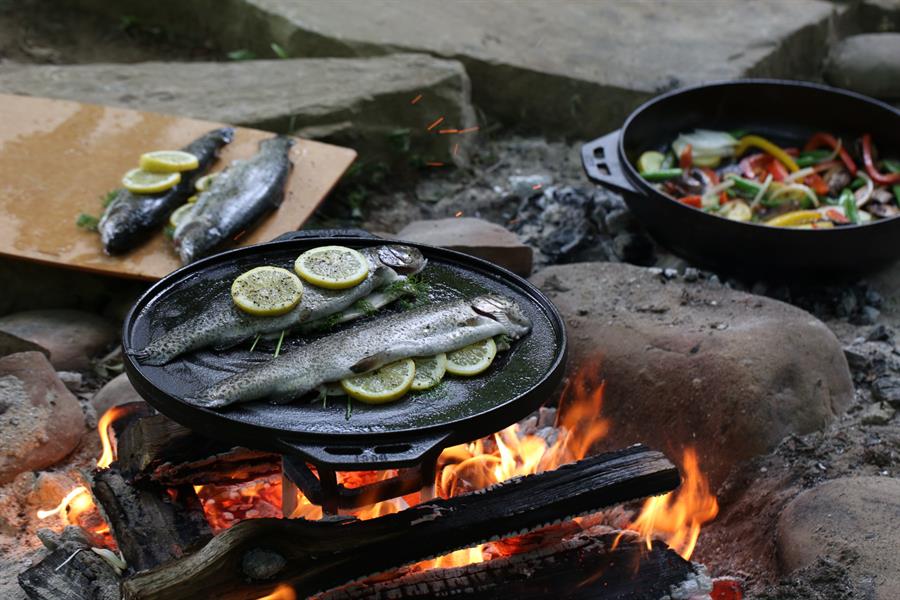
(221, 324)
(424, 331)
(130, 218)
(237, 200)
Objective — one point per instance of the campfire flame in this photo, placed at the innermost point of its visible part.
(282, 592)
(678, 516)
(74, 498)
(104, 427)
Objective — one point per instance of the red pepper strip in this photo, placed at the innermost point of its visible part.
(749, 164)
(817, 184)
(778, 171)
(826, 139)
(836, 216)
(870, 164)
(686, 160)
(694, 201)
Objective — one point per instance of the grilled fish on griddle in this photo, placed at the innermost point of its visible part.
(221, 324)
(425, 331)
(236, 201)
(130, 218)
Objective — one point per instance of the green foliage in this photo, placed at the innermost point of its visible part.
(88, 222)
(365, 307)
(410, 286)
(242, 54)
(279, 51)
(108, 197)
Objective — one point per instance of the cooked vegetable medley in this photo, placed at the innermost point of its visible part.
(825, 183)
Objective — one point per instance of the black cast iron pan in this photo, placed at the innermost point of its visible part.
(396, 434)
(787, 112)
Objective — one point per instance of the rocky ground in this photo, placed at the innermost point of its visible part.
(788, 389)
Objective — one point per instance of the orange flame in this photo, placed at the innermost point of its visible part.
(60, 509)
(103, 428)
(678, 516)
(282, 592)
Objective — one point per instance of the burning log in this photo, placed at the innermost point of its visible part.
(163, 451)
(249, 559)
(151, 526)
(71, 570)
(581, 567)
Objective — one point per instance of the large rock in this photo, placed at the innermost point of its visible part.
(365, 103)
(853, 519)
(40, 420)
(698, 364)
(569, 67)
(879, 15)
(117, 390)
(11, 344)
(868, 64)
(73, 337)
(473, 236)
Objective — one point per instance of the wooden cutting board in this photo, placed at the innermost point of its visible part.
(59, 158)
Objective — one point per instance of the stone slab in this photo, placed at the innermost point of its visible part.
(569, 67)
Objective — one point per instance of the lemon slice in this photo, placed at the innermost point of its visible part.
(267, 291)
(168, 161)
(179, 213)
(382, 385)
(203, 184)
(193, 199)
(145, 182)
(332, 267)
(472, 359)
(429, 371)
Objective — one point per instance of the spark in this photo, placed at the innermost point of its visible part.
(435, 124)
(446, 131)
(435, 164)
(455, 149)
(536, 186)
(416, 99)
(469, 129)
(459, 213)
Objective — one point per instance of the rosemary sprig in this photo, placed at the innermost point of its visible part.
(86, 221)
(255, 341)
(278, 347)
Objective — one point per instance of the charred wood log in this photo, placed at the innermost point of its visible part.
(161, 450)
(581, 567)
(151, 525)
(72, 571)
(316, 556)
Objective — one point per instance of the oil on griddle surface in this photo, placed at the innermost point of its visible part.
(58, 158)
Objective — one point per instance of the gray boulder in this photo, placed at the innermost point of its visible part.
(698, 364)
(40, 420)
(117, 390)
(72, 337)
(868, 64)
(363, 103)
(852, 519)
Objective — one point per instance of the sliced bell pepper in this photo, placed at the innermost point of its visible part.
(686, 158)
(752, 166)
(848, 203)
(836, 216)
(695, 201)
(662, 174)
(876, 176)
(795, 218)
(826, 139)
(768, 147)
(817, 184)
(777, 170)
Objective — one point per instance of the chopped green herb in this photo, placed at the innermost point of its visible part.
(255, 341)
(409, 286)
(242, 54)
(279, 51)
(365, 307)
(86, 221)
(278, 346)
(108, 197)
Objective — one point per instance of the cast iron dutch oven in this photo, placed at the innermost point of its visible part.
(787, 112)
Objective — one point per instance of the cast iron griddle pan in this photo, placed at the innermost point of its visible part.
(457, 410)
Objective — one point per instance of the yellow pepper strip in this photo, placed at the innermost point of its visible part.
(768, 147)
(795, 218)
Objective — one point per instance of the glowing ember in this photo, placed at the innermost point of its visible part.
(60, 509)
(678, 516)
(416, 99)
(104, 428)
(435, 123)
(282, 592)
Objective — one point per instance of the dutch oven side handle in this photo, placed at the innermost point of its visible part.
(410, 452)
(601, 162)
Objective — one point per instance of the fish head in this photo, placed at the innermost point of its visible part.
(505, 311)
(405, 260)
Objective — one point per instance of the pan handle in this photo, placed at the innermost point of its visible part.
(601, 162)
(350, 455)
(324, 233)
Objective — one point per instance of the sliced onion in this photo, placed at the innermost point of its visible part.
(870, 187)
(796, 187)
(837, 150)
(825, 166)
(762, 191)
(711, 196)
(800, 175)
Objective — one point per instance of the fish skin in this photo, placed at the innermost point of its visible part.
(130, 219)
(221, 324)
(237, 200)
(425, 331)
